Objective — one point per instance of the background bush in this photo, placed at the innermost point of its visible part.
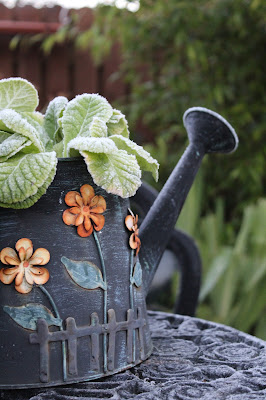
(178, 54)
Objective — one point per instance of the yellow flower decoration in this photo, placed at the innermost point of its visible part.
(23, 271)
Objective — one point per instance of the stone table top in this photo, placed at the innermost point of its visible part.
(192, 359)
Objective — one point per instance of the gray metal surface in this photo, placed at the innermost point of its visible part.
(192, 359)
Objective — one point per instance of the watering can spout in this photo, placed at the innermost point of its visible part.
(208, 132)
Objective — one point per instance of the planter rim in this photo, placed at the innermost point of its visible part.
(68, 159)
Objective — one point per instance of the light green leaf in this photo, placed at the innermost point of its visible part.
(84, 273)
(145, 160)
(29, 201)
(22, 175)
(27, 316)
(18, 94)
(79, 114)
(36, 119)
(118, 173)
(12, 145)
(17, 123)
(59, 149)
(136, 279)
(4, 135)
(53, 113)
(114, 170)
(98, 128)
(117, 124)
(93, 145)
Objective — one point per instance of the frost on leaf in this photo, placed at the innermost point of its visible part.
(117, 124)
(98, 128)
(79, 114)
(22, 176)
(15, 122)
(145, 160)
(18, 94)
(118, 173)
(114, 170)
(53, 113)
(12, 145)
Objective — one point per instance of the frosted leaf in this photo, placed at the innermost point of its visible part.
(145, 160)
(117, 124)
(15, 122)
(98, 128)
(4, 135)
(12, 145)
(79, 114)
(18, 94)
(93, 145)
(59, 148)
(22, 175)
(36, 119)
(116, 172)
(29, 201)
(53, 113)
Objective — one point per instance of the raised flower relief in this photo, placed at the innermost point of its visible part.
(131, 222)
(23, 269)
(86, 210)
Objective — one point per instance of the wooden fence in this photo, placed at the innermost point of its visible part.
(66, 71)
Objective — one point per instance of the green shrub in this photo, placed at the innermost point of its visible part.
(178, 54)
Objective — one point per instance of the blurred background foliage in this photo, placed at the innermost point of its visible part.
(177, 54)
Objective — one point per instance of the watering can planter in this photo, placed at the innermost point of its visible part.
(77, 310)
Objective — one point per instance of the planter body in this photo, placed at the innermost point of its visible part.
(103, 331)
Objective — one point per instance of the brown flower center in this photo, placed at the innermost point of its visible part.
(26, 264)
(86, 209)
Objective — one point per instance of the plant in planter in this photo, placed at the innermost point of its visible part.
(86, 126)
(30, 145)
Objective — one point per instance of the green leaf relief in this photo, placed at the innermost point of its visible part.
(145, 160)
(79, 114)
(18, 94)
(136, 279)
(84, 273)
(22, 175)
(27, 316)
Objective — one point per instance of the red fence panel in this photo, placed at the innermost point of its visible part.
(66, 71)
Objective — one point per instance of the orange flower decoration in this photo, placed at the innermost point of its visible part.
(24, 272)
(131, 222)
(86, 210)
